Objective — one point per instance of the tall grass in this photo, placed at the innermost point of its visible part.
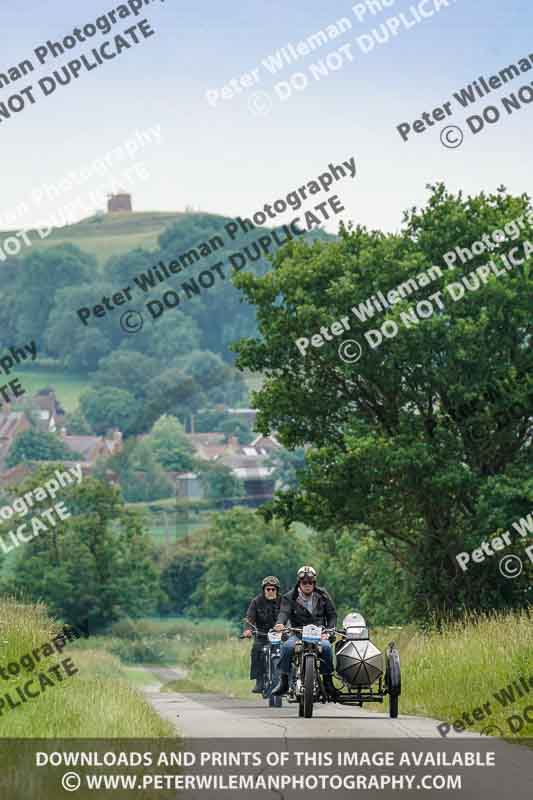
(444, 672)
(96, 702)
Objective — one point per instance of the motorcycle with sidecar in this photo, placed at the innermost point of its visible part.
(363, 672)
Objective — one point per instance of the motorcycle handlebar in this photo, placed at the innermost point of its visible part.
(288, 628)
(254, 629)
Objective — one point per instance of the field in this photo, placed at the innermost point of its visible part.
(67, 387)
(166, 523)
(109, 235)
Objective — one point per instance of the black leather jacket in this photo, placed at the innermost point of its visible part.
(263, 613)
(325, 613)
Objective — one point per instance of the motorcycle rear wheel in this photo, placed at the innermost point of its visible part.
(309, 687)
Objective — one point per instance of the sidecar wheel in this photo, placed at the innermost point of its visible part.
(393, 706)
(393, 678)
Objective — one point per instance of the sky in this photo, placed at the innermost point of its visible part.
(236, 155)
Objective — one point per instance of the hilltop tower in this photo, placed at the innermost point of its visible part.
(119, 202)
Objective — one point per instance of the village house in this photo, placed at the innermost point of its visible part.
(246, 462)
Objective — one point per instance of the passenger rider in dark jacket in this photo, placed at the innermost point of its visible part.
(306, 604)
(262, 612)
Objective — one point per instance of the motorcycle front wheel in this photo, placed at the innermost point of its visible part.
(309, 687)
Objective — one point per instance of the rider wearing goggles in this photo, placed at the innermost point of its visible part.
(306, 604)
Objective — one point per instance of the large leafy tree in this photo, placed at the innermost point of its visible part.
(392, 447)
(180, 576)
(96, 565)
(127, 370)
(169, 444)
(108, 408)
(170, 392)
(80, 347)
(54, 268)
(219, 382)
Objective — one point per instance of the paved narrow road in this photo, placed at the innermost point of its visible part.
(212, 723)
(217, 716)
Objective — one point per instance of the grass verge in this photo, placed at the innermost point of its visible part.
(97, 701)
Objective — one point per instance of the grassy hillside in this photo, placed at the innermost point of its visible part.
(109, 235)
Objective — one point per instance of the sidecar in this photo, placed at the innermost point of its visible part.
(367, 674)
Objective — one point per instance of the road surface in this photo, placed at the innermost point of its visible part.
(213, 724)
(217, 716)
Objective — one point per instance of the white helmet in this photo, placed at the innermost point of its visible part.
(306, 572)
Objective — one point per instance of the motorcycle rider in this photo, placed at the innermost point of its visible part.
(262, 612)
(306, 604)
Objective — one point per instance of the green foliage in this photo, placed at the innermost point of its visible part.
(363, 577)
(218, 481)
(109, 408)
(33, 445)
(54, 269)
(170, 392)
(169, 444)
(180, 577)
(241, 549)
(391, 447)
(76, 424)
(234, 427)
(287, 466)
(97, 565)
(219, 382)
(127, 370)
(208, 420)
(141, 478)
(97, 701)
